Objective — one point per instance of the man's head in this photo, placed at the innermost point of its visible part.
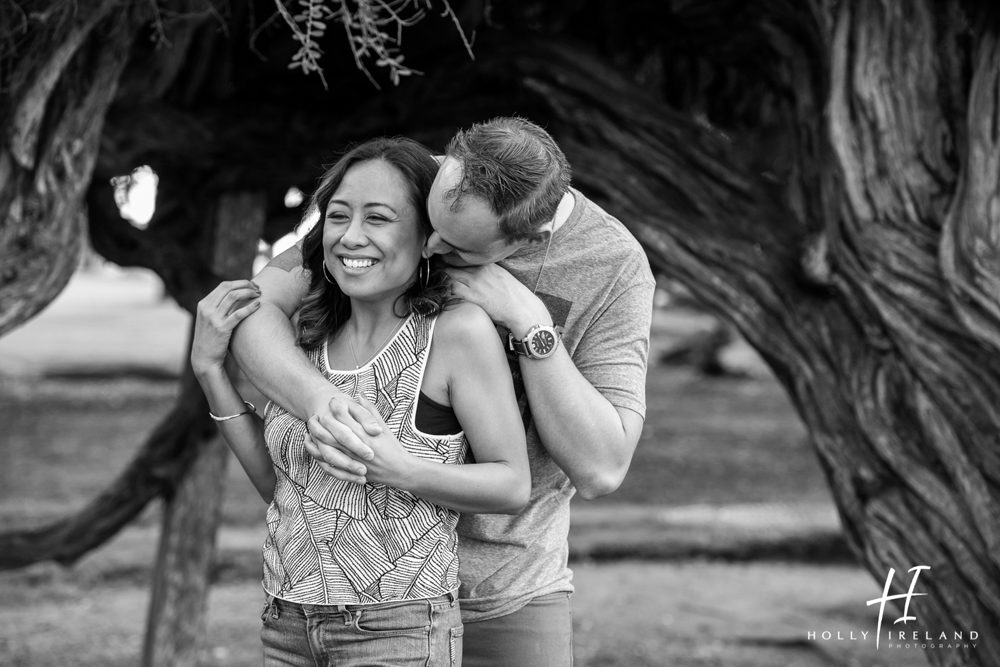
(499, 185)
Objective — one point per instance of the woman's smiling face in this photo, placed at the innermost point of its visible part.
(371, 233)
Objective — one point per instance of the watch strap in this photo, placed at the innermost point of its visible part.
(516, 345)
(522, 346)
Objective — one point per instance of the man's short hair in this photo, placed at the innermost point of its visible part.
(515, 166)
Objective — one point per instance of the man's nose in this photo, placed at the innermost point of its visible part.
(436, 246)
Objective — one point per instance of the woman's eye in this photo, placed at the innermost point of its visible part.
(337, 217)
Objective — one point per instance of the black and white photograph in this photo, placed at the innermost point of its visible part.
(431, 333)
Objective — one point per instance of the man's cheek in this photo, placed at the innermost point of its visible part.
(452, 259)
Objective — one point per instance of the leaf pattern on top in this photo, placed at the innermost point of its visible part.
(333, 542)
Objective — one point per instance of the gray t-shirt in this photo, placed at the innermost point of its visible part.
(598, 287)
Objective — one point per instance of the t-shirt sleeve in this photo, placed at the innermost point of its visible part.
(614, 351)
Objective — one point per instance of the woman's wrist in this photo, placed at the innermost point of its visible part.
(208, 370)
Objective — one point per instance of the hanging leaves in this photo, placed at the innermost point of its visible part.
(374, 31)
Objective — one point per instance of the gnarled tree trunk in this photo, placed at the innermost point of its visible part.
(52, 116)
(876, 303)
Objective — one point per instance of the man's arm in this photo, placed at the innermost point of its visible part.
(264, 343)
(264, 347)
(588, 436)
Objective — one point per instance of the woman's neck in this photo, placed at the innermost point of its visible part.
(366, 332)
(369, 319)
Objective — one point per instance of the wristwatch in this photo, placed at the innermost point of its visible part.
(540, 342)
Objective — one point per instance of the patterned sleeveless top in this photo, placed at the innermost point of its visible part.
(331, 542)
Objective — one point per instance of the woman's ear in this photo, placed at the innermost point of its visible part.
(425, 252)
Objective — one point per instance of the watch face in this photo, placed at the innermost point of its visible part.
(542, 343)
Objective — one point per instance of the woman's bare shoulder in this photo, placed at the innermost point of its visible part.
(463, 324)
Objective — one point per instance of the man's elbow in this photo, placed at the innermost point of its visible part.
(517, 497)
(602, 477)
(601, 482)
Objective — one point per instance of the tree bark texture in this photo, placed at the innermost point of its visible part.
(878, 319)
(916, 249)
(53, 114)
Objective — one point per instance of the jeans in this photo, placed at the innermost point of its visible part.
(540, 634)
(424, 633)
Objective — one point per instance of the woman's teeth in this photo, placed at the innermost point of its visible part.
(357, 263)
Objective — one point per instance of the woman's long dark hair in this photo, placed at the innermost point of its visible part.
(325, 307)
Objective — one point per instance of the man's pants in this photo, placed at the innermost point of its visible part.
(540, 634)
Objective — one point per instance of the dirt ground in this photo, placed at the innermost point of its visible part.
(690, 563)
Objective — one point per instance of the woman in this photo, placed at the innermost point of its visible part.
(367, 574)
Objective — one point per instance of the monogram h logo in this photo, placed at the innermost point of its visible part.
(908, 596)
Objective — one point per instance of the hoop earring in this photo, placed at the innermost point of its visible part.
(328, 275)
(424, 273)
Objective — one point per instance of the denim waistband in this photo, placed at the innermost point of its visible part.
(273, 607)
(449, 597)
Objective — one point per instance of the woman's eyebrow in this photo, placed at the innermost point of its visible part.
(368, 205)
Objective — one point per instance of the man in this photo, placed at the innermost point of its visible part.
(571, 293)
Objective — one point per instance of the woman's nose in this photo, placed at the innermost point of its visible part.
(355, 235)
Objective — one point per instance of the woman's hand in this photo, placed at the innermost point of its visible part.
(389, 463)
(216, 317)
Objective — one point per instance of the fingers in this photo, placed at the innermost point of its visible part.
(241, 314)
(367, 415)
(334, 472)
(335, 463)
(215, 297)
(342, 431)
(228, 304)
(236, 297)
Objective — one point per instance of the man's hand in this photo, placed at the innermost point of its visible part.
(504, 298)
(337, 438)
(349, 451)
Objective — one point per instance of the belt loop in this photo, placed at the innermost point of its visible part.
(270, 606)
(345, 613)
(452, 597)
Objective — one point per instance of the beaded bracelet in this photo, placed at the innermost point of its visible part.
(250, 410)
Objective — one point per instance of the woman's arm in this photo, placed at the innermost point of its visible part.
(217, 315)
(482, 395)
